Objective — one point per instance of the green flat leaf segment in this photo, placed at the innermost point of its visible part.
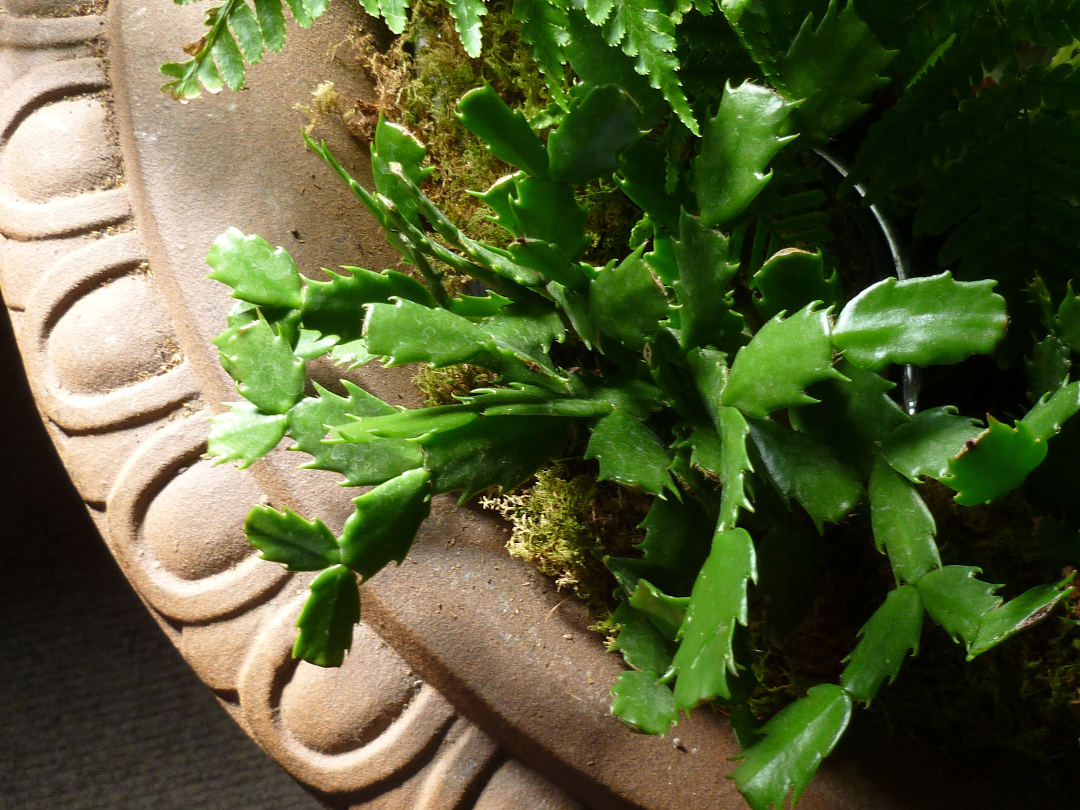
(287, 538)
(956, 600)
(734, 466)
(902, 524)
(641, 701)
(492, 451)
(705, 656)
(924, 446)
(785, 357)
(1000, 460)
(926, 321)
(336, 307)
(626, 303)
(385, 523)
(1025, 610)
(592, 135)
(665, 612)
(892, 631)
(327, 619)
(835, 69)
(796, 741)
(266, 371)
(701, 255)
(394, 144)
(506, 132)
(801, 468)
(790, 280)
(258, 273)
(736, 149)
(630, 453)
(1051, 412)
(1066, 323)
(642, 645)
(244, 434)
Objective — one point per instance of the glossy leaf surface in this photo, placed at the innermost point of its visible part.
(385, 523)
(286, 538)
(705, 657)
(629, 453)
(734, 466)
(1025, 610)
(999, 462)
(923, 446)
(956, 600)
(792, 279)
(796, 740)
(336, 307)
(924, 321)
(891, 633)
(642, 645)
(903, 526)
(244, 434)
(701, 255)
(807, 471)
(1048, 415)
(785, 357)
(506, 132)
(736, 149)
(592, 135)
(267, 373)
(258, 273)
(626, 303)
(327, 619)
(642, 702)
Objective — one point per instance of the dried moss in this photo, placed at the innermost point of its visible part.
(442, 386)
(564, 522)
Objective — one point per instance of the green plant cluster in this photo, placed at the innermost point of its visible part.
(724, 364)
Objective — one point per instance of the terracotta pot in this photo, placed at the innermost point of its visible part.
(472, 682)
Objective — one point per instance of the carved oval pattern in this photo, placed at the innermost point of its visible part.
(106, 362)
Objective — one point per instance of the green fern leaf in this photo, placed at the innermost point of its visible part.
(705, 657)
(644, 30)
(271, 19)
(467, 14)
(327, 619)
(249, 36)
(796, 740)
(544, 26)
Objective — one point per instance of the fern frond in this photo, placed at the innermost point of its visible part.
(237, 36)
(545, 27)
(645, 30)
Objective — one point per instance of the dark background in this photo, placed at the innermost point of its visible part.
(97, 708)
